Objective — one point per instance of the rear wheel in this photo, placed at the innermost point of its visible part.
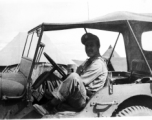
(135, 111)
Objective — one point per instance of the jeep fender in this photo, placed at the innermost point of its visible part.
(12, 85)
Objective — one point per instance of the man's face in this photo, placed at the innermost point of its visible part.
(91, 48)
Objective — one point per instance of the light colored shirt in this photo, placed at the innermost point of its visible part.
(93, 73)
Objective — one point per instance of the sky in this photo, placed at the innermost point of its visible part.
(22, 15)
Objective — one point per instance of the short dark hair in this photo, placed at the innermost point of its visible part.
(90, 37)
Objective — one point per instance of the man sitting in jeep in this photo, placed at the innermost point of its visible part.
(77, 87)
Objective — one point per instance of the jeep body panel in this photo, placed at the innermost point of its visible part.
(122, 93)
(103, 104)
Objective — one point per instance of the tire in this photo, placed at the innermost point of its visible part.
(135, 111)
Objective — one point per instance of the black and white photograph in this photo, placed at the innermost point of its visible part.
(75, 59)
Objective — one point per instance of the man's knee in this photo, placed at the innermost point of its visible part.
(73, 77)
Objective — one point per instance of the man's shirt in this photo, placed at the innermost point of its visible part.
(93, 73)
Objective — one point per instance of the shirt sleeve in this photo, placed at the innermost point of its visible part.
(92, 72)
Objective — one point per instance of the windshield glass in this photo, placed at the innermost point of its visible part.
(30, 46)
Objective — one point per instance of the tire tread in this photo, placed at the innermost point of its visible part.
(130, 111)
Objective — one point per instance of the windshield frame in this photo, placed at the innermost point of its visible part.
(39, 32)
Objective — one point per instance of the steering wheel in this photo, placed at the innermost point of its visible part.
(42, 79)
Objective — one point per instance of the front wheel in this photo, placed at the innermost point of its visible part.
(135, 111)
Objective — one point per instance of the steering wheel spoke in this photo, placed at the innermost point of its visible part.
(55, 66)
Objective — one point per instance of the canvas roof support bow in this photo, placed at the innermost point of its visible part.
(113, 49)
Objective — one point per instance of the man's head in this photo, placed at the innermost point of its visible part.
(91, 43)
